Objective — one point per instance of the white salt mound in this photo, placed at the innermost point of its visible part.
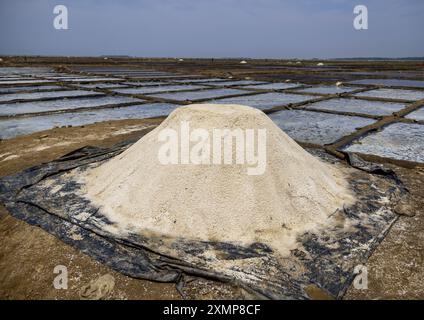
(296, 193)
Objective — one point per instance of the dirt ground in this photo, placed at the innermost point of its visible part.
(28, 254)
(396, 268)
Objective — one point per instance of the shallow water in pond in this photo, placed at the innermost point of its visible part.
(234, 83)
(15, 127)
(28, 88)
(317, 127)
(265, 101)
(102, 85)
(327, 90)
(23, 70)
(196, 95)
(170, 77)
(273, 86)
(199, 80)
(88, 79)
(52, 105)
(146, 83)
(391, 82)
(13, 79)
(43, 95)
(376, 108)
(411, 95)
(401, 141)
(416, 115)
(152, 89)
(25, 81)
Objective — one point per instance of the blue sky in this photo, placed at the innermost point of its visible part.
(213, 28)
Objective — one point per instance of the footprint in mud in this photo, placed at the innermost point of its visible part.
(99, 288)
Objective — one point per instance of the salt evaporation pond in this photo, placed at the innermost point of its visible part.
(411, 95)
(52, 105)
(64, 77)
(102, 85)
(146, 83)
(327, 90)
(23, 70)
(45, 95)
(172, 77)
(390, 82)
(28, 88)
(89, 79)
(265, 101)
(152, 89)
(376, 108)
(10, 128)
(317, 127)
(13, 79)
(199, 80)
(273, 86)
(402, 141)
(234, 83)
(26, 81)
(197, 95)
(416, 115)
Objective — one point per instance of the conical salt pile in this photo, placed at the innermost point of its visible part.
(294, 193)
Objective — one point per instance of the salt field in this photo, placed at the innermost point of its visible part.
(145, 83)
(14, 127)
(199, 95)
(416, 115)
(327, 90)
(54, 105)
(46, 95)
(29, 81)
(273, 86)
(103, 85)
(315, 127)
(28, 88)
(266, 100)
(153, 89)
(202, 80)
(234, 83)
(375, 108)
(391, 82)
(411, 95)
(402, 141)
